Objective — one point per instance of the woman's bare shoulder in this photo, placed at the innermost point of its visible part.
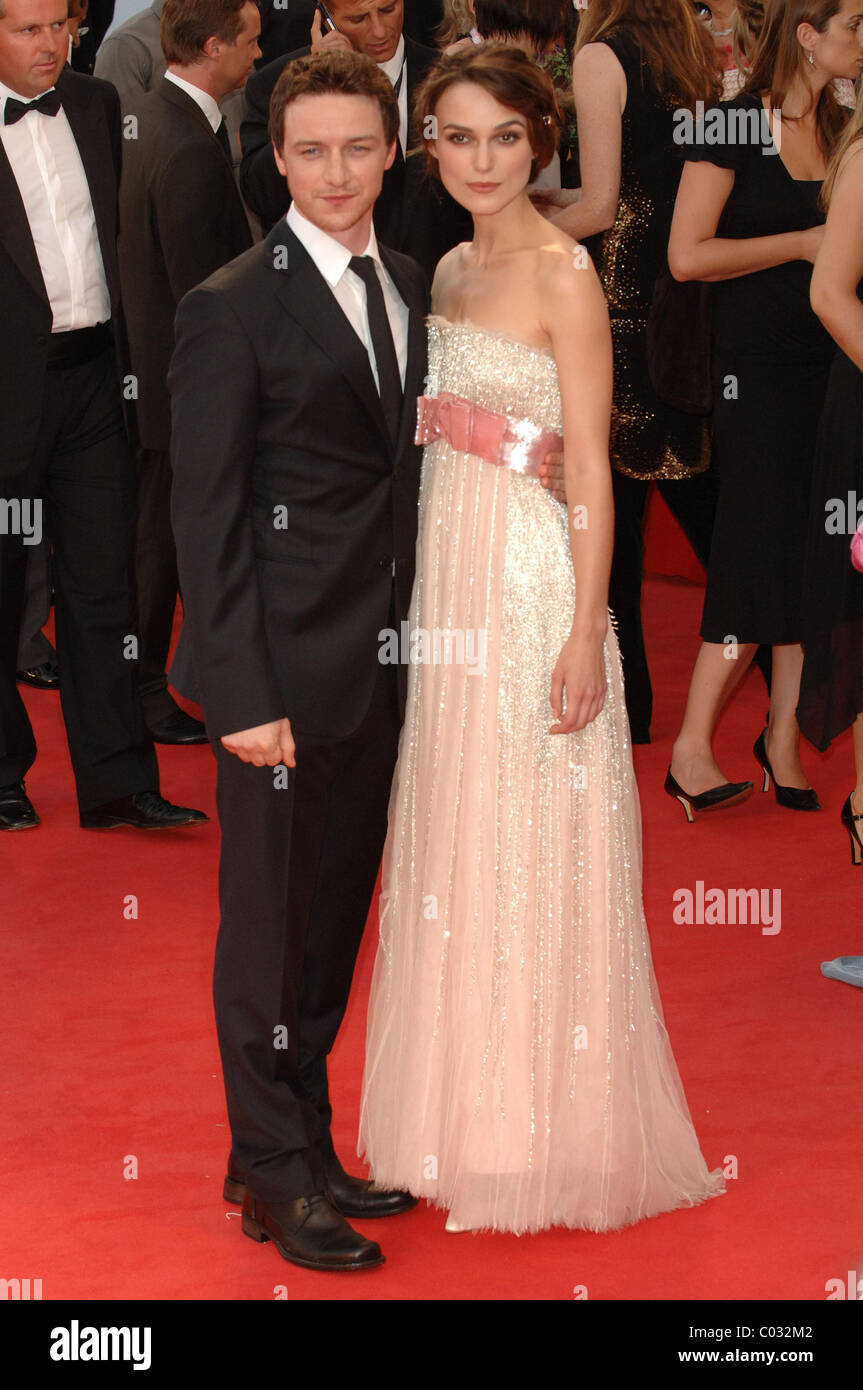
(447, 268)
(559, 266)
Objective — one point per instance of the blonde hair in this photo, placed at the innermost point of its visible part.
(746, 29)
(457, 21)
(852, 135)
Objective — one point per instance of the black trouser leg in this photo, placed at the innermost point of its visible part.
(344, 791)
(90, 487)
(157, 581)
(34, 649)
(83, 470)
(17, 744)
(258, 965)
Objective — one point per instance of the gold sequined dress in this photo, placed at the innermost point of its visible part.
(518, 1072)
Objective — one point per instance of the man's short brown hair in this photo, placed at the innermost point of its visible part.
(337, 71)
(186, 25)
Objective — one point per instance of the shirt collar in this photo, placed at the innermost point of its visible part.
(208, 104)
(331, 258)
(393, 66)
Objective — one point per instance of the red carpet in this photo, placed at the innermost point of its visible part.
(108, 1053)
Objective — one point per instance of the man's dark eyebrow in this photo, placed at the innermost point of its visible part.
(352, 140)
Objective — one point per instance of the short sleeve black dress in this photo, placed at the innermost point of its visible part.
(649, 439)
(771, 360)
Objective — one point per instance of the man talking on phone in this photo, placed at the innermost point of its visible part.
(412, 214)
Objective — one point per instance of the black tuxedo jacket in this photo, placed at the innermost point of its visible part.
(413, 213)
(181, 217)
(93, 110)
(276, 419)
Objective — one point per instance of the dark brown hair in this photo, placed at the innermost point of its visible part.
(508, 75)
(779, 56)
(186, 25)
(675, 45)
(543, 21)
(333, 70)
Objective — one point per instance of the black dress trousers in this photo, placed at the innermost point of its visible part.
(83, 472)
(300, 856)
(157, 581)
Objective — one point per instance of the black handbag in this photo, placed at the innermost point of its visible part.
(678, 344)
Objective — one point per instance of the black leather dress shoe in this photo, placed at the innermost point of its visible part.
(144, 811)
(310, 1232)
(16, 809)
(361, 1197)
(350, 1196)
(45, 676)
(178, 728)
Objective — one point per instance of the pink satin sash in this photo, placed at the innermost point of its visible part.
(501, 439)
(857, 548)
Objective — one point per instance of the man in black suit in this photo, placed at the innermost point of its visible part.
(413, 214)
(294, 385)
(284, 28)
(62, 439)
(181, 217)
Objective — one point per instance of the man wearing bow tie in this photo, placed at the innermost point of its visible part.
(63, 448)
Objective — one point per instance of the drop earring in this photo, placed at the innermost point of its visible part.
(810, 58)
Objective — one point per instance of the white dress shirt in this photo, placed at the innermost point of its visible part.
(50, 175)
(332, 260)
(208, 104)
(392, 68)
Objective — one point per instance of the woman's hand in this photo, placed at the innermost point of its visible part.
(580, 671)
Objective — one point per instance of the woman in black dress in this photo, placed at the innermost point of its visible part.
(748, 217)
(637, 62)
(831, 688)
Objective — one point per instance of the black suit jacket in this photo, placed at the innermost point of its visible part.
(181, 217)
(275, 407)
(283, 30)
(413, 213)
(93, 111)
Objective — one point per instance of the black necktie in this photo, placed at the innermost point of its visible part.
(389, 376)
(222, 137)
(48, 103)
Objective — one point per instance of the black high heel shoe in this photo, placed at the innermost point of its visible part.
(728, 794)
(848, 820)
(795, 798)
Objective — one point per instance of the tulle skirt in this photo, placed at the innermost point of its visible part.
(518, 1070)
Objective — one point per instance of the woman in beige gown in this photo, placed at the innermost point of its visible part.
(518, 1071)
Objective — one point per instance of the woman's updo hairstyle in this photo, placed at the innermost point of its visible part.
(508, 75)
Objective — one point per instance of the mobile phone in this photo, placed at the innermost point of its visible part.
(326, 18)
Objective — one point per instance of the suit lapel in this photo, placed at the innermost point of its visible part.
(15, 232)
(415, 366)
(309, 300)
(175, 96)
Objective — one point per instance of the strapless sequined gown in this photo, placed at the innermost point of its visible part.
(518, 1072)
